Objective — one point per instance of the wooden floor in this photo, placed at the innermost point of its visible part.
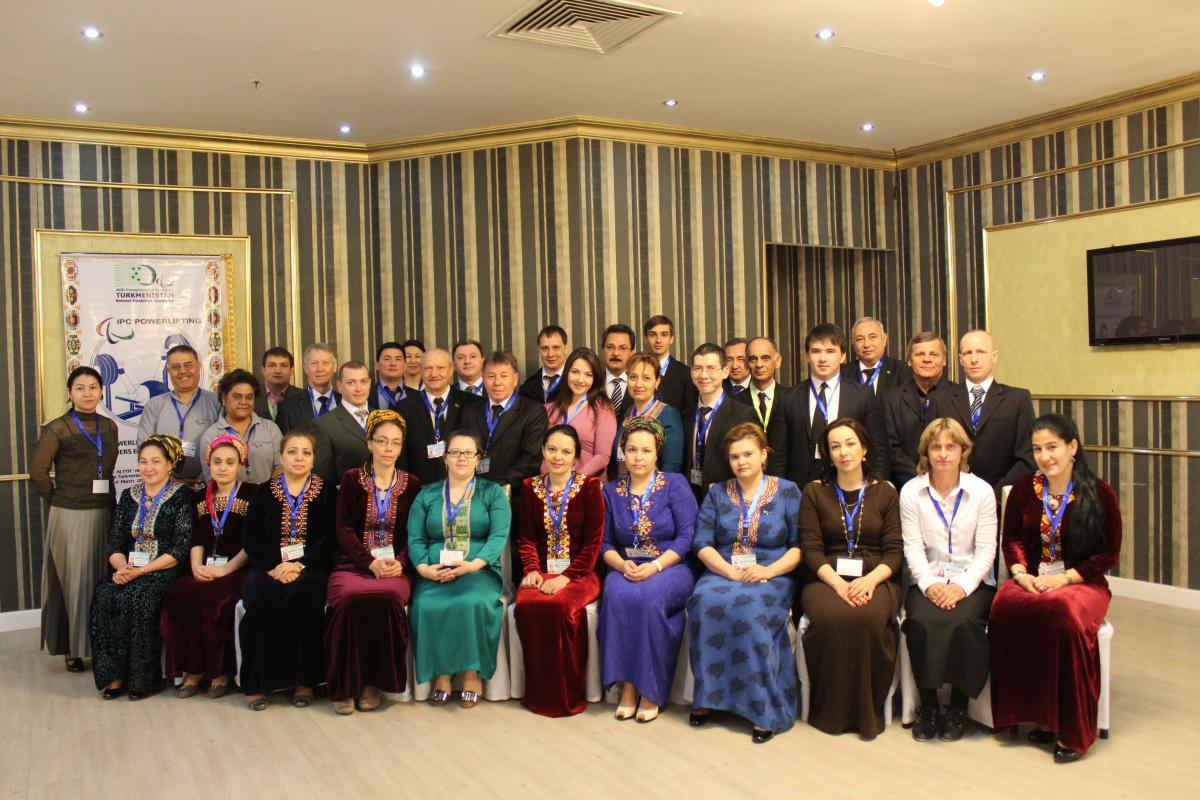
(59, 739)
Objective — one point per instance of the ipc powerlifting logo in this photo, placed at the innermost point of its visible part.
(137, 283)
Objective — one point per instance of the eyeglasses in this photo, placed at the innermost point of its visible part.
(396, 443)
(459, 455)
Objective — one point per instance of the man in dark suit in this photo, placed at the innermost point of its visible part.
(430, 414)
(318, 398)
(675, 387)
(822, 398)
(739, 371)
(340, 437)
(388, 388)
(998, 418)
(705, 461)
(510, 426)
(616, 347)
(277, 366)
(766, 397)
(874, 367)
(545, 382)
(908, 408)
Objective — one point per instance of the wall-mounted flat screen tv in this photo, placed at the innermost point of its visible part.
(1144, 293)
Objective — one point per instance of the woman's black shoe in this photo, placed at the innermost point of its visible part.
(1064, 755)
(953, 724)
(74, 664)
(696, 720)
(109, 694)
(1039, 736)
(761, 737)
(926, 726)
(137, 695)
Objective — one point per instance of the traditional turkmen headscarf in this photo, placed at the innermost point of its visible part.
(171, 445)
(229, 440)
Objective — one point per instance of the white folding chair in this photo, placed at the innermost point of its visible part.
(593, 690)
(683, 686)
(978, 708)
(806, 686)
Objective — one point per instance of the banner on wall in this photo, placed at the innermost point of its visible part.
(121, 313)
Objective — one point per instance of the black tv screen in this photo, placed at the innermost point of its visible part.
(1144, 293)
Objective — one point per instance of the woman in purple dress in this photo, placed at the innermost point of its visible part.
(649, 520)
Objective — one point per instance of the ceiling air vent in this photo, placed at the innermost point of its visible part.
(600, 26)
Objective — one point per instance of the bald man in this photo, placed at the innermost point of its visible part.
(430, 414)
(998, 418)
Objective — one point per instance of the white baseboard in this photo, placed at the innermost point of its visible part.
(20, 620)
(1155, 593)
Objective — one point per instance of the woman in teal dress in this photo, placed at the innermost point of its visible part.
(457, 530)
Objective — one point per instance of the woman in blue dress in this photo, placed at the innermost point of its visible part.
(748, 539)
(650, 517)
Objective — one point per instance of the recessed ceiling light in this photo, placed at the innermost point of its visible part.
(81, 108)
(344, 129)
(416, 70)
(867, 126)
(825, 34)
(1037, 75)
(937, 3)
(91, 33)
(670, 102)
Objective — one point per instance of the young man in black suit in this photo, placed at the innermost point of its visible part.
(675, 387)
(277, 365)
(874, 367)
(766, 397)
(705, 461)
(510, 426)
(908, 408)
(824, 397)
(616, 347)
(544, 383)
(341, 435)
(430, 414)
(388, 389)
(998, 418)
(318, 398)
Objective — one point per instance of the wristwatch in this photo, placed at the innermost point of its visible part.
(1017, 575)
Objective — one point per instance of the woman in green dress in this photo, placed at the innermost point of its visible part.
(457, 530)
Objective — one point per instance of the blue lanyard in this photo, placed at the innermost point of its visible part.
(313, 398)
(938, 508)
(1055, 517)
(556, 519)
(393, 398)
(635, 414)
(452, 511)
(640, 514)
(294, 503)
(748, 511)
(219, 526)
(183, 417)
(874, 379)
(850, 516)
(248, 438)
(823, 407)
(492, 422)
(438, 418)
(381, 505)
(662, 368)
(702, 428)
(142, 508)
(98, 442)
(577, 409)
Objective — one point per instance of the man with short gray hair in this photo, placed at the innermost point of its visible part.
(872, 366)
(319, 396)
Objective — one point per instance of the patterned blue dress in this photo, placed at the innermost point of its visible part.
(741, 652)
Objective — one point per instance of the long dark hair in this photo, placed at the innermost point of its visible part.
(829, 471)
(596, 396)
(1087, 517)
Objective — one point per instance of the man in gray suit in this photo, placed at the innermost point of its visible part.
(341, 435)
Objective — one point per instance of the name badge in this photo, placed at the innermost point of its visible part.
(1053, 568)
(743, 560)
(435, 450)
(99, 487)
(385, 552)
(696, 476)
(450, 558)
(850, 567)
(189, 449)
(639, 552)
(485, 465)
(620, 454)
(138, 558)
(216, 561)
(291, 552)
(948, 569)
(557, 566)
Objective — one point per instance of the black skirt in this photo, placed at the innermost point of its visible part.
(949, 646)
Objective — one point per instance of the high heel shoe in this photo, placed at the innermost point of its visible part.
(439, 698)
(1065, 755)
(74, 664)
(761, 737)
(625, 712)
(113, 692)
(696, 719)
(646, 714)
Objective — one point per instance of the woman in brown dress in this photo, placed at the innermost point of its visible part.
(850, 537)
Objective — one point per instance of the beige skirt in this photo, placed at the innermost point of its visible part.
(73, 564)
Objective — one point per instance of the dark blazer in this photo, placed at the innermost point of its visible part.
(534, 387)
(906, 418)
(716, 462)
(894, 373)
(263, 408)
(1001, 449)
(296, 411)
(793, 430)
(776, 436)
(515, 452)
(340, 445)
(373, 397)
(727, 385)
(675, 387)
(420, 434)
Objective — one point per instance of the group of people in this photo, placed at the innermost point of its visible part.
(366, 514)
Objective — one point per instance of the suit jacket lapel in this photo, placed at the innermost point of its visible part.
(991, 401)
(962, 405)
(348, 423)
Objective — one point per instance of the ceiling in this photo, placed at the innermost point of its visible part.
(917, 72)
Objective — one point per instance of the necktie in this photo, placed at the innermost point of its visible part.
(496, 409)
(976, 403)
(704, 412)
(736, 388)
(322, 405)
(867, 375)
(818, 420)
(361, 416)
(762, 407)
(617, 394)
(437, 404)
(473, 389)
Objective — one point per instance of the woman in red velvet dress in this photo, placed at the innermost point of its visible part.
(561, 530)
(1062, 532)
(197, 614)
(366, 632)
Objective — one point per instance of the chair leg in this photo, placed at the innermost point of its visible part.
(1014, 731)
(1104, 733)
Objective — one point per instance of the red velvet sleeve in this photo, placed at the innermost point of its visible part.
(350, 516)
(1013, 538)
(1093, 568)
(583, 558)
(531, 512)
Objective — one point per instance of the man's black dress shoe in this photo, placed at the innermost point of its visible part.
(926, 726)
(1064, 755)
(953, 724)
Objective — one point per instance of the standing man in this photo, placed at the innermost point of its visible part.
(341, 435)
(675, 387)
(998, 418)
(822, 398)
(739, 372)
(388, 389)
(430, 414)
(766, 396)
(705, 460)
(186, 411)
(413, 350)
(510, 426)
(277, 367)
(617, 343)
(543, 385)
(874, 367)
(908, 408)
(319, 397)
(468, 366)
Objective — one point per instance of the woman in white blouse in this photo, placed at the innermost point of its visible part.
(948, 521)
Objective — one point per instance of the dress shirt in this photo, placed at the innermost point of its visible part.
(754, 398)
(833, 396)
(973, 531)
(314, 397)
(608, 379)
(473, 388)
(445, 395)
(987, 385)
(359, 413)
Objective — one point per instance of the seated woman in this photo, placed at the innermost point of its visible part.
(149, 539)
(747, 538)
(650, 518)
(1062, 533)
(457, 531)
(642, 372)
(850, 531)
(197, 614)
(289, 539)
(366, 633)
(948, 523)
(561, 528)
(583, 404)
